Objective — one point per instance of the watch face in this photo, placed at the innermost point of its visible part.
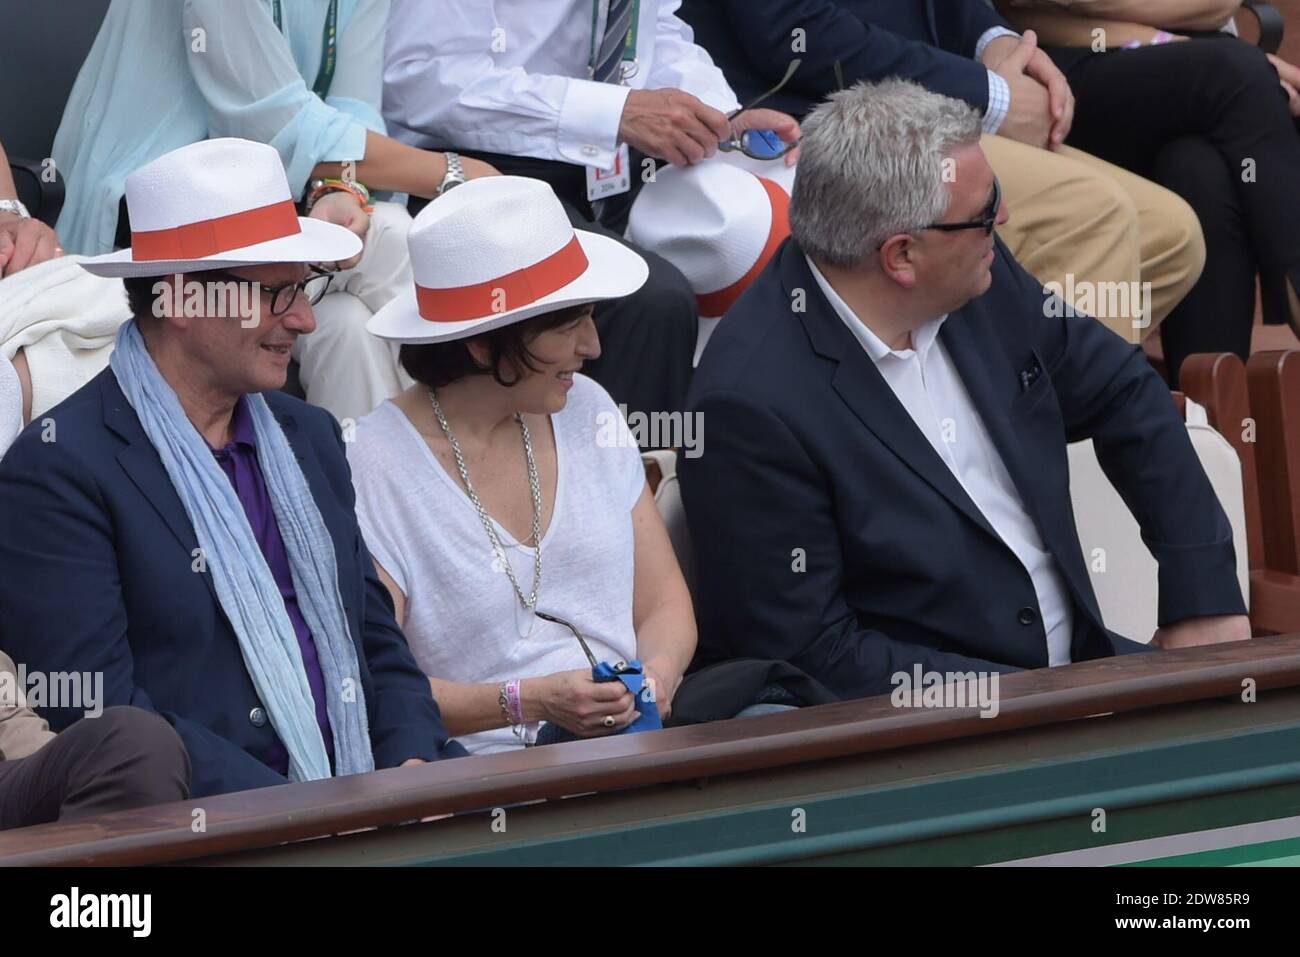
(450, 185)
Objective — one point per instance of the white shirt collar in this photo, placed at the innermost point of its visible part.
(922, 338)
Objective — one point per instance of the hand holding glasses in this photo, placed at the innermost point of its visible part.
(761, 144)
(628, 672)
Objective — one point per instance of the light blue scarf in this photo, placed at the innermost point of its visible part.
(245, 587)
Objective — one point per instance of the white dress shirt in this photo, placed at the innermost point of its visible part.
(510, 76)
(929, 388)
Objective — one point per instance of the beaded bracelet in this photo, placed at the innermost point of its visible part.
(322, 187)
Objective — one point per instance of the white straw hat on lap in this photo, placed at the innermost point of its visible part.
(719, 223)
(218, 204)
(498, 250)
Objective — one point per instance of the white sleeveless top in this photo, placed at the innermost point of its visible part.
(463, 620)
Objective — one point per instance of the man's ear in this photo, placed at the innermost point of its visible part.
(169, 301)
(164, 296)
(897, 259)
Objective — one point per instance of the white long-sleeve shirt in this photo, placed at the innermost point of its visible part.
(510, 76)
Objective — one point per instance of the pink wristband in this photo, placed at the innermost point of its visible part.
(514, 703)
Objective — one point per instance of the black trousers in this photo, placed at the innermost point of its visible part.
(647, 340)
(1207, 119)
(122, 759)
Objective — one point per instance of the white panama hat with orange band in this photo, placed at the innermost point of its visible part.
(218, 204)
(719, 222)
(498, 250)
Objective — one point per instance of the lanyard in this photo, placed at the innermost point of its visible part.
(329, 47)
(629, 50)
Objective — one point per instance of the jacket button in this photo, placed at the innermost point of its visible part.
(1026, 616)
(257, 718)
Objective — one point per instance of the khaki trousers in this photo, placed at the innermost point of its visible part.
(1098, 231)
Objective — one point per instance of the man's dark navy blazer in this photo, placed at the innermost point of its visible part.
(830, 534)
(929, 41)
(99, 574)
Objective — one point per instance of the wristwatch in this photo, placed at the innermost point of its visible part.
(455, 173)
(14, 206)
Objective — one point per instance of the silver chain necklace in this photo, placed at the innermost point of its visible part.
(529, 603)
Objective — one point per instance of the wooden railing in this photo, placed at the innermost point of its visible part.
(272, 816)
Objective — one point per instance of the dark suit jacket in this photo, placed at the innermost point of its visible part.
(829, 533)
(97, 554)
(929, 41)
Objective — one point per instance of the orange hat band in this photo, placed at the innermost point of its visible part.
(514, 290)
(716, 304)
(212, 236)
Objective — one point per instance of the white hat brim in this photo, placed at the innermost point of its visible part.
(319, 242)
(613, 271)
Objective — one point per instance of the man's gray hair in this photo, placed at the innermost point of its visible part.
(871, 164)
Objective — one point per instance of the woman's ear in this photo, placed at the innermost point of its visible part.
(480, 352)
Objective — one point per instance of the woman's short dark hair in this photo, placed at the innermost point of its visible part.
(437, 364)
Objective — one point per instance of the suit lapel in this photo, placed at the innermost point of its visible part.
(862, 388)
(139, 459)
(991, 382)
(992, 386)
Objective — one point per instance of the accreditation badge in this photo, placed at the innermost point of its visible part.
(603, 183)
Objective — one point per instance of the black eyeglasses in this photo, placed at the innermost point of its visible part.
(987, 220)
(283, 297)
(761, 144)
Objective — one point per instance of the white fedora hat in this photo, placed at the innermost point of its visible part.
(218, 204)
(716, 222)
(498, 250)
(775, 170)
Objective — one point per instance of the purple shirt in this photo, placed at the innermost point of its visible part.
(239, 461)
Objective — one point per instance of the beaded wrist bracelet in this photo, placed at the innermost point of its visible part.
(322, 187)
